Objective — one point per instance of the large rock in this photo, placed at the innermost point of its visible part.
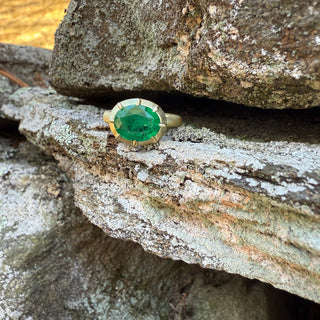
(56, 265)
(244, 206)
(257, 53)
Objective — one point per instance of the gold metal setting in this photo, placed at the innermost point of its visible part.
(167, 120)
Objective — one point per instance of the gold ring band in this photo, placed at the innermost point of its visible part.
(139, 122)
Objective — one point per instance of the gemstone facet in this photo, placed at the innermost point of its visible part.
(137, 122)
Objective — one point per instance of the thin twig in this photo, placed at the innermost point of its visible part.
(14, 78)
(37, 77)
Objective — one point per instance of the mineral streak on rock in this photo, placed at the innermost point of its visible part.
(263, 54)
(246, 207)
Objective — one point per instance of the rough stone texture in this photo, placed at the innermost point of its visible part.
(56, 265)
(243, 206)
(27, 63)
(5, 90)
(263, 54)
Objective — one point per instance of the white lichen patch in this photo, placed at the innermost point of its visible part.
(252, 182)
(65, 135)
(142, 175)
(150, 158)
(281, 190)
(224, 173)
(26, 181)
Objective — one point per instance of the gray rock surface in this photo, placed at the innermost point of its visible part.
(28, 64)
(240, 205)
(56, 265)
(263, 54)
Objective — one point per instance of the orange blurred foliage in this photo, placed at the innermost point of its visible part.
(31, 22)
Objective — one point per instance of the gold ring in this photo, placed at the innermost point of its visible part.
(139, 122)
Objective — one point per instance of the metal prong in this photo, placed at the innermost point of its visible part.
(139, 102)
(106, 116)
(162, 125)
(135, 143)
(116, 135)
(154, 140)
(155, 108)
(119, 105)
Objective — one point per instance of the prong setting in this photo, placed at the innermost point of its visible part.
(146, 105)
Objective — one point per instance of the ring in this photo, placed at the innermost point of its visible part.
(139, 122)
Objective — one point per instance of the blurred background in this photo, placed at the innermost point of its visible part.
(31, 22)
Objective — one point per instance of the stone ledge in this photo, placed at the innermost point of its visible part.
(246, 207)
(261, 54)
(55, 264)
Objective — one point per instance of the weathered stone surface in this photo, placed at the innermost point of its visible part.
(5, 91)
(26, 63)
(243, 206)
(56, 265)
(29, 64)
(263, 54)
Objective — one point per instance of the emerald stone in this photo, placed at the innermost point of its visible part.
(137, 122)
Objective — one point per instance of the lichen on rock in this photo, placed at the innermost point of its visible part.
(55, 264)
(257, 54)
(244, 206)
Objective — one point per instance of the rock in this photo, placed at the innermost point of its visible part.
(57, 265)
(247, 206)
(29, 65)
(5, 90)
(263, 54)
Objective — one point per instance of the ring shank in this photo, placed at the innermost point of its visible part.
(173, 120)
(106, 116)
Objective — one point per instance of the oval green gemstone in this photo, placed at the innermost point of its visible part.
(137, 122)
